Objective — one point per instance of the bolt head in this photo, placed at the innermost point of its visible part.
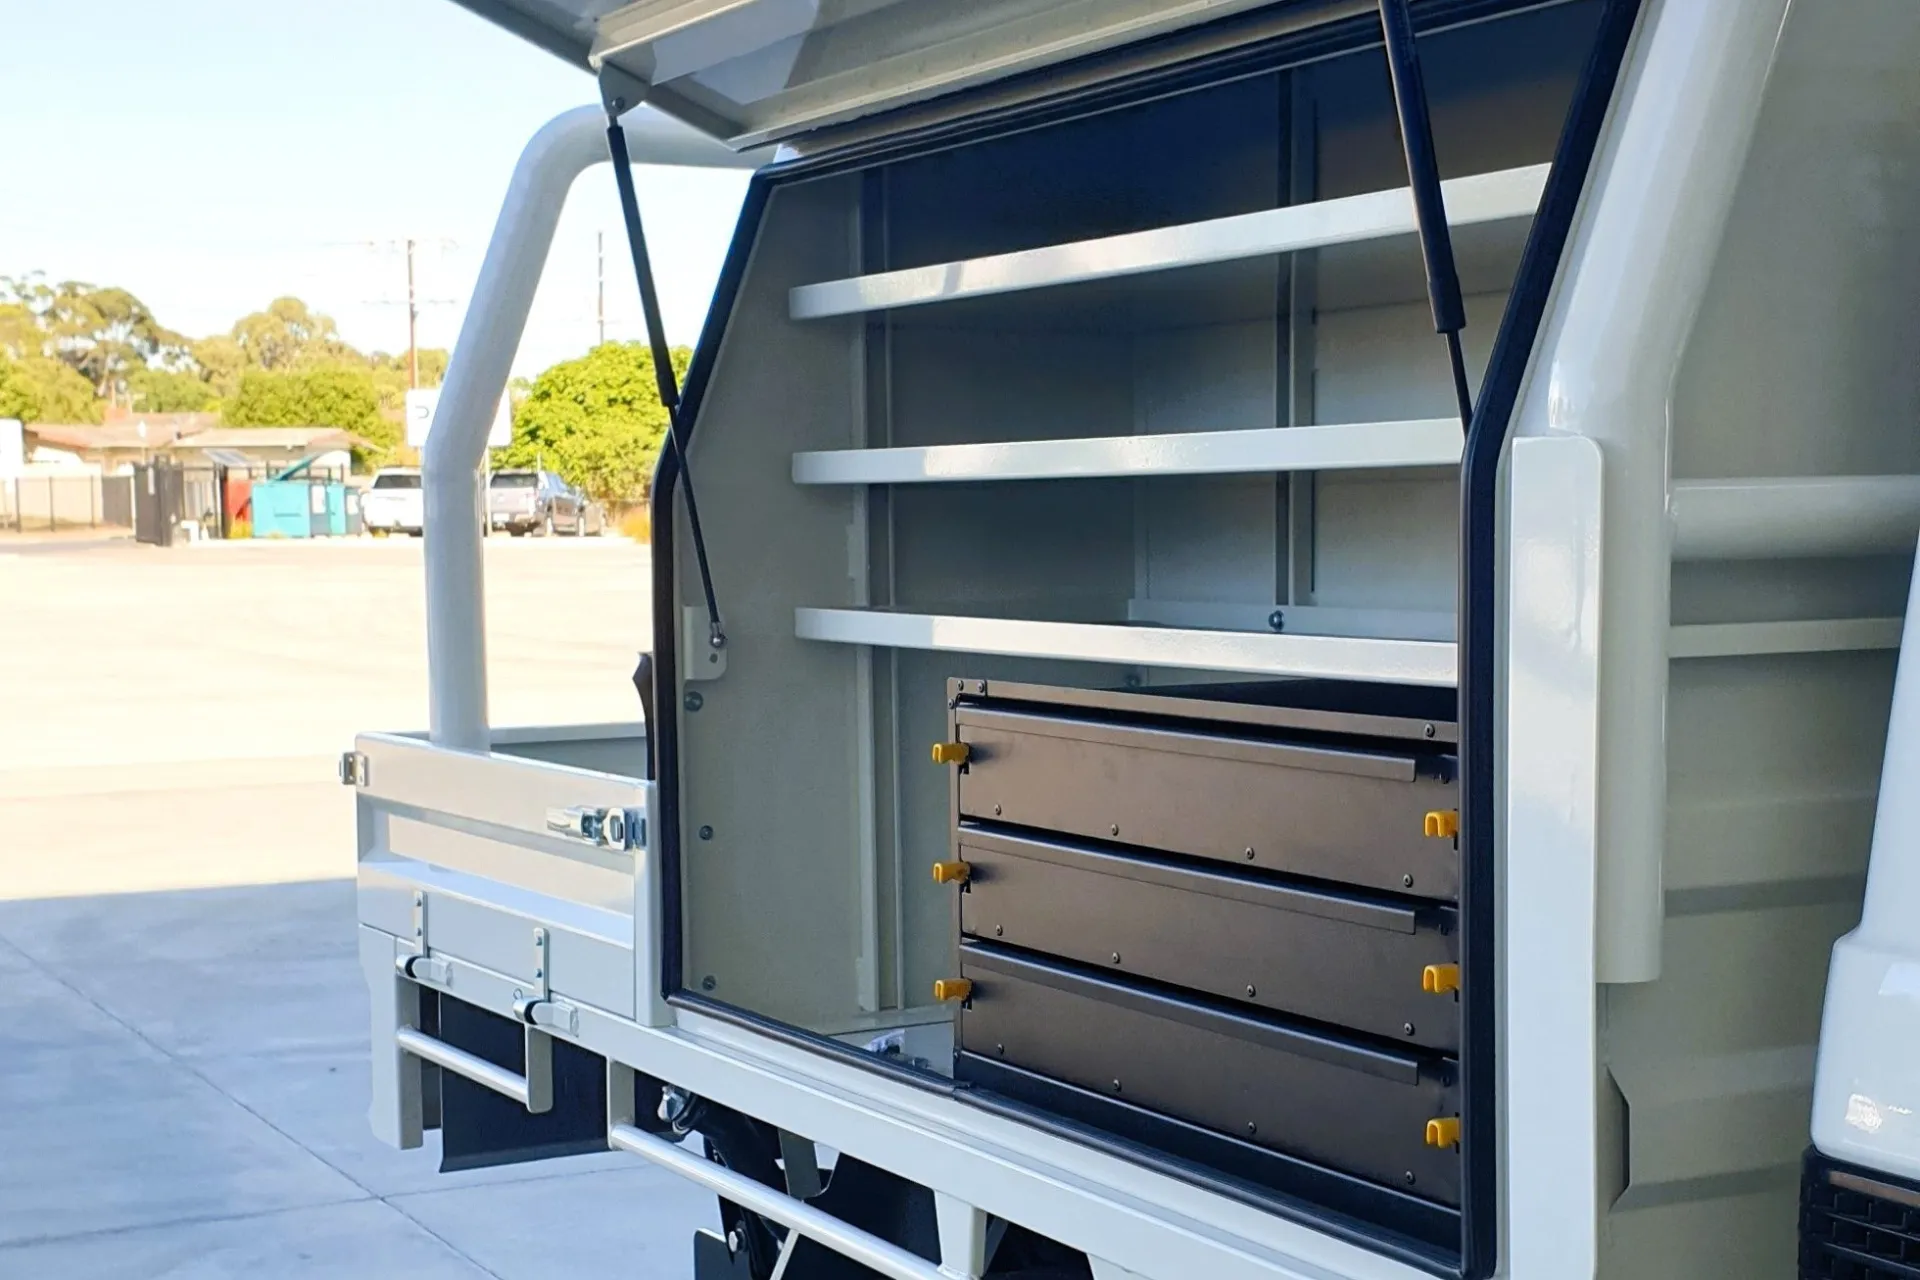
(1114, 829)
(1407, 1027)
(1410, 1178)
(996, 811)
(1252, 1128)
(1249, 852)
(693, 701)
(707, 983)
(1116, 957)
(1249, 991)
(999, 930)
(1407, 881)
(1429, 731)
(1116, 1086)
(706, 833)
(1277, 620)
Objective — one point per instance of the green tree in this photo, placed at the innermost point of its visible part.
(596, 420)
(103, 334)
(390, 377)
(39, 389)
(152, 390)
(289, 335)
(336, 396)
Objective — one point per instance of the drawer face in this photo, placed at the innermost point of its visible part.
(1353, 1108)
(1352, 816)
(1353, 962)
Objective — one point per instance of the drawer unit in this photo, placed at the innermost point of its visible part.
(1230, 908)
(1354, 960)
(1355, 1107)
(1335, 807)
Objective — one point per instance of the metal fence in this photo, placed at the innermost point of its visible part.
(31, 504)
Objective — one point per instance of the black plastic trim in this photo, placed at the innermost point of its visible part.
(664, 738)
(1856, 1223)
(1480, 627)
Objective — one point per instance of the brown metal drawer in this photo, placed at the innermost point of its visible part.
(1350, 814)
(1346, 1105)
(1353, 961)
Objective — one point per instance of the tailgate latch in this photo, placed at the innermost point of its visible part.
(608, 828)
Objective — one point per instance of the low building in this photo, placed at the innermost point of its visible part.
(192, 439)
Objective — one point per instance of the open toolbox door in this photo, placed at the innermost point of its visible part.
(751, 72)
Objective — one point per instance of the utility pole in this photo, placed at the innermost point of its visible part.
(413, 302)
(413, 325)
(600, 300)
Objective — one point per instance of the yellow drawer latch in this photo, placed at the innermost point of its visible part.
(945, 989)
(1444, 1132)
(951, 872)
(951, 752)
(1440, 979)
(1442, 824)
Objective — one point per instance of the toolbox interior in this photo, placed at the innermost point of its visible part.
(809, 812)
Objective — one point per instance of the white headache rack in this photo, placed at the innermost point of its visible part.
(1486, 197)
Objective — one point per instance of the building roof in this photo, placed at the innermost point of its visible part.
(175, 431)
(136, 434)
(310, 439)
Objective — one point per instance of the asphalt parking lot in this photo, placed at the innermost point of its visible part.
(183, 1030)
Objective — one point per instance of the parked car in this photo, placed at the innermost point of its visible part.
(523, 502)
(393, 503)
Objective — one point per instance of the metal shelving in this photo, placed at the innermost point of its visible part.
(1433, 442)
(1501, 196)
(1420, 662)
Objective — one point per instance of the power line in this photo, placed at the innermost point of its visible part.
(413, 301)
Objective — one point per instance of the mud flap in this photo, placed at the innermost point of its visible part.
(479, 1128)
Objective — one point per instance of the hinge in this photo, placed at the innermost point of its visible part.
(431, 970)
(353, 769)
(536, 1007)
(417, 943)
(548, 1015)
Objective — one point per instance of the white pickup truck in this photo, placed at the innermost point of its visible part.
(394, 503)
(1392, 800)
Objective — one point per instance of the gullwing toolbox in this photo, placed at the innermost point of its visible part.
(1274, 629)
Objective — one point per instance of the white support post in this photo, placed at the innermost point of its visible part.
(963, 1237)
(397, 1111)
(564, 148)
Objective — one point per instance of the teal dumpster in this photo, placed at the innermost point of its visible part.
(284, 508)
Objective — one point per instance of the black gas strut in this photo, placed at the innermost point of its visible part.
(1429, 207)
(662, 359)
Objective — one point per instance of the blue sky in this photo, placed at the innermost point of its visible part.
(211, 155)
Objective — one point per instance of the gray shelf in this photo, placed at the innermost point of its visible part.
(1430, 442)
(1504, 196)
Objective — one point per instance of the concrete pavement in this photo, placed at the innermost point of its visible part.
(183, 1031)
